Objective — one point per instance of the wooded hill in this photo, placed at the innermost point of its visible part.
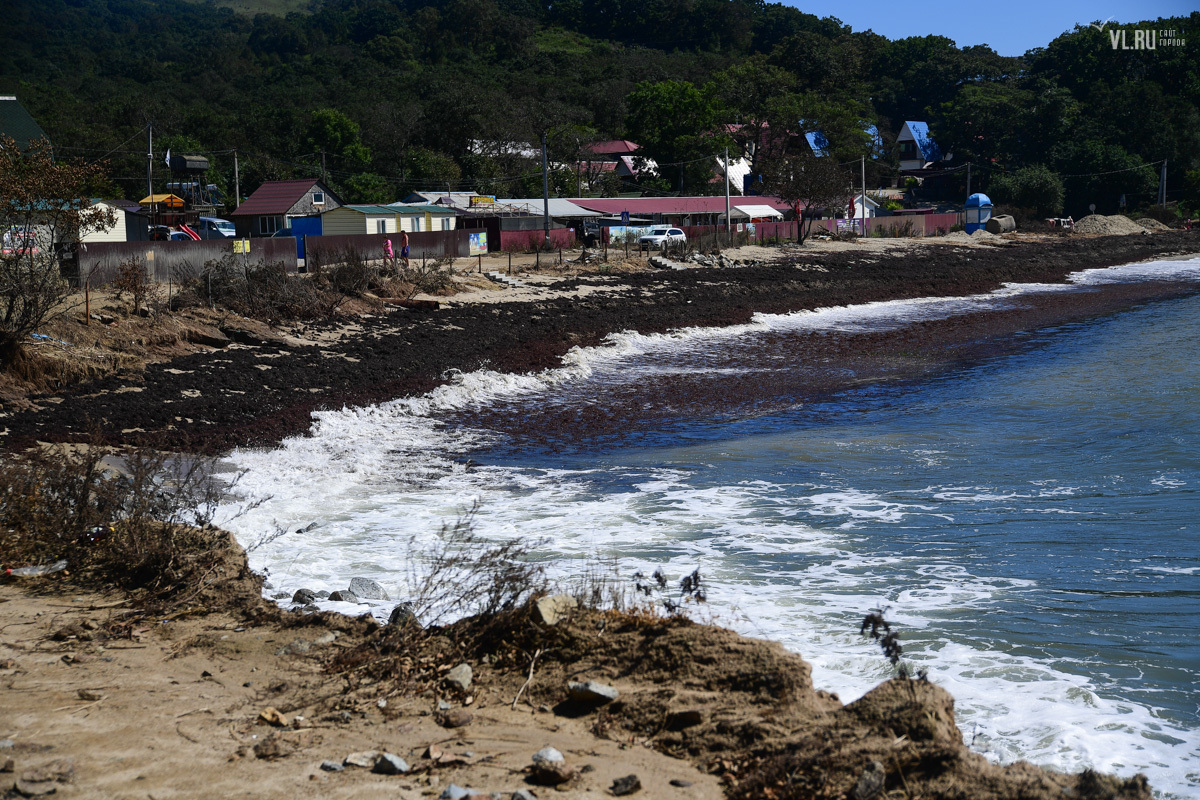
(397, 95)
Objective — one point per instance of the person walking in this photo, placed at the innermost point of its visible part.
(404, 247)
(389, 257)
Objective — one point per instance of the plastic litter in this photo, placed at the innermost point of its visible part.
(37, 571)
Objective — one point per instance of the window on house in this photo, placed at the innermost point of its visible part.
(908, 150)
(268, 225)
(381, 226)
(318, 198)
(416, 225)
(447, 224)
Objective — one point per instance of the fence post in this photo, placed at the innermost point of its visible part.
(480, 257)
(510, 262)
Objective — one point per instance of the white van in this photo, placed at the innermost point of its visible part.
(215, 228)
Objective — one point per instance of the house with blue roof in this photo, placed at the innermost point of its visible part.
(918, 150)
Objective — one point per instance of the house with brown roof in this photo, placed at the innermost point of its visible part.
(274, 204)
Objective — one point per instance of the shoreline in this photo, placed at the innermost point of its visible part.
(256, 395)
(703, 713)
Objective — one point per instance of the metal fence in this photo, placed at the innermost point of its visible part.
(423, 244)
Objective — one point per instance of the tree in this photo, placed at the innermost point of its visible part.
(810, 184)
(44, 207)
(674, 122)
(1031, 187)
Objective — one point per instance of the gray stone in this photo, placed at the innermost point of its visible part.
(680, 782)
(344, 596)
(549, 610)
(6, 744)
(523, 794)
(368, 589)
(332, 766)
(403, 614)
(627, 785)
(455, 792)
(304, 596)
(459, 677)
(389, 764)
(444, 705)
(322, 595)
(591, 693)
(870, 782)
(548, 755)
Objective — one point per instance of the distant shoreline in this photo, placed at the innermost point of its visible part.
(256, 396)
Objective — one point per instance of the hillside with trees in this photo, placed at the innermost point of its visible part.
(388, 96)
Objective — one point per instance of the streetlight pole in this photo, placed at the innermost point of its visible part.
(545, 192)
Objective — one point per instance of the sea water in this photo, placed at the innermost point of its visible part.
(1028, 521)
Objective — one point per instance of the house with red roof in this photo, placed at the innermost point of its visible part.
(274, 204)
(614, 155)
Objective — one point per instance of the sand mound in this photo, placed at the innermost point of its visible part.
(1152, 224)
(978, 237)
(1115, 225)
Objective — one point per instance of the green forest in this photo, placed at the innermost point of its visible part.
(398, 95)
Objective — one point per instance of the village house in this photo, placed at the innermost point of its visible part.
(16, 123)
(917, 149)
(366, 219)
(274, 204)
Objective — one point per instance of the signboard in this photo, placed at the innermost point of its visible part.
(624, 217)
(478, 243)
(241, 246)
(482, 200)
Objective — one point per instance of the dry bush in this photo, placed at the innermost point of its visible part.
(431, 277)
(466, 574)
(259, 290)
(141, 523)
(131, 279)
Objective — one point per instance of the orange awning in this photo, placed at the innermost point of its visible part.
(169, 200)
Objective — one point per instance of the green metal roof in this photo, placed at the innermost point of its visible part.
(16, 122)
(420, 208)
(370, 209)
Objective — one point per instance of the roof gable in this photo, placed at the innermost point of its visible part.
(277, 197)
(919, 132)
(16, 122)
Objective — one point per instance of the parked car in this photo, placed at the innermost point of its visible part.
(160, 233)
(663, 237)
(215, 228)
(282, 232)
(180, 236)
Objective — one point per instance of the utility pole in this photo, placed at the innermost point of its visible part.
(968, 179)
(237, 186)
(727, 228)
(1162, 185)
(545, 192)
(150, 168)
(863, 166)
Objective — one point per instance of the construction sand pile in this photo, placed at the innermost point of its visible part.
(962, 237)
(1115, 225)
(1151, 224)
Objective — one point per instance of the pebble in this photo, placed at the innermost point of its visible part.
(460, 677)
(591, 692)
(365, 759)
(368, 589)
(332, 766)
(523, 794)
(304, 596)
(680, 782)
(455, 792)
(627, 785)
(389, 764)
(456, 718)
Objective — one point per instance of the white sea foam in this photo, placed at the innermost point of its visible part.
(372, 479)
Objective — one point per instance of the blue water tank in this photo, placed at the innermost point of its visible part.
(978, 210)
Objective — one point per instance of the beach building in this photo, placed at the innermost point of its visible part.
(130, 224)
(355, 220)
(273, 205)
(705, 210)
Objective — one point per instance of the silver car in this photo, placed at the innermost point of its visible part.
(663, 237)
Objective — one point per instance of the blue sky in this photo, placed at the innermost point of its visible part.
(1010, 28)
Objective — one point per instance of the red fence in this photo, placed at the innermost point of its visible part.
(173, 261)
(424, 244)
(518, 241)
